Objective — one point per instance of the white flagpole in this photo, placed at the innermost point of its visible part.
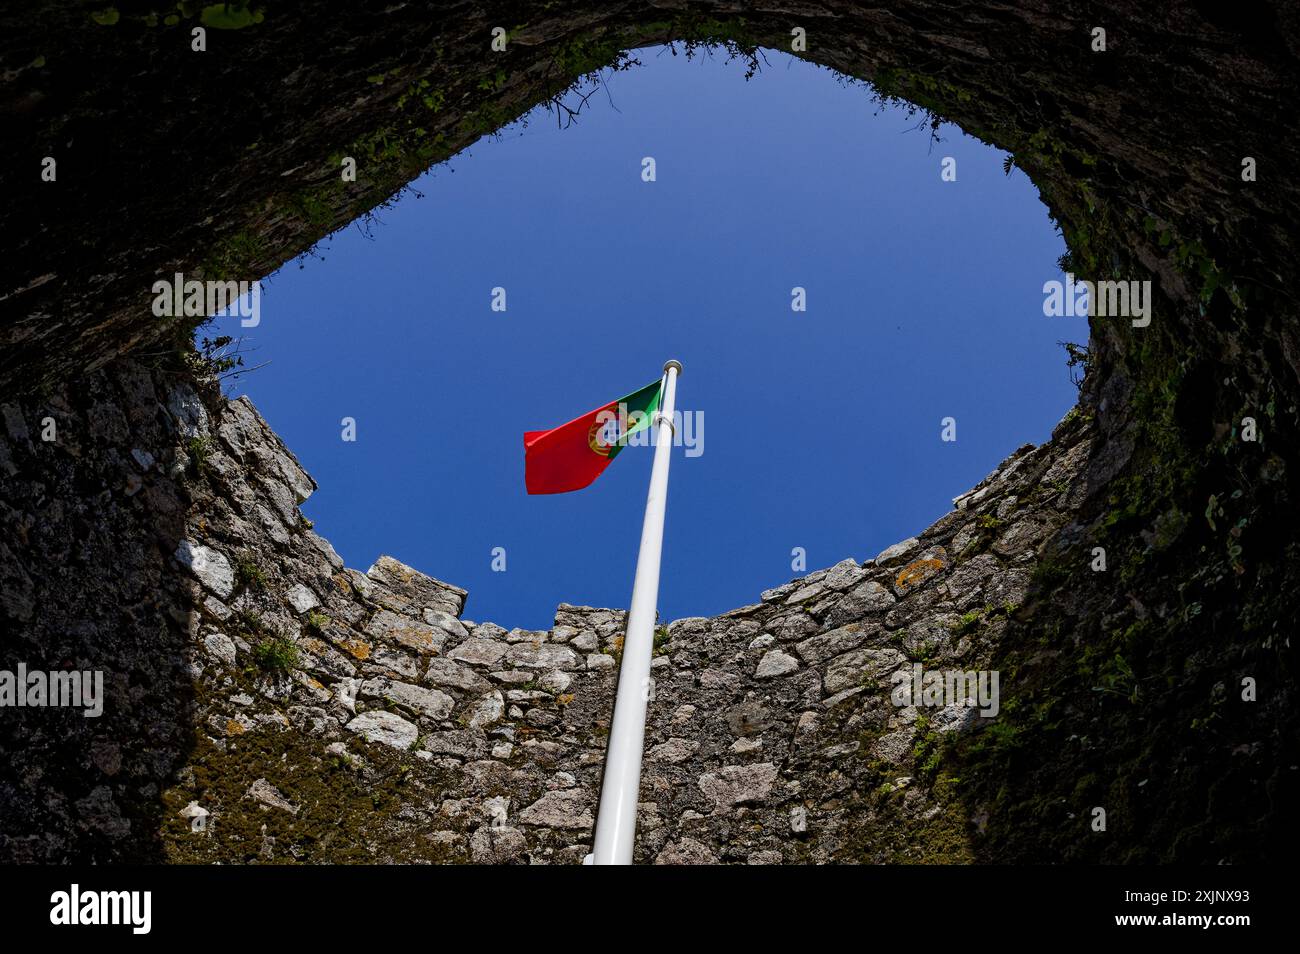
(616, 817)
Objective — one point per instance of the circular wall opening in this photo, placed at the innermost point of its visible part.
(857, 296)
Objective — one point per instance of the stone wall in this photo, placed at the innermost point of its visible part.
(225, 164)
(266, 702)
(1125, 689)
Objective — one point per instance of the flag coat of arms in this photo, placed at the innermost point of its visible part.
(571, 456)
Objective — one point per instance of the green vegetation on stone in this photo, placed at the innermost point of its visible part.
(276, 654)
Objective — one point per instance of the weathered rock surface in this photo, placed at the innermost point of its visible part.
(386, 728)
(775, 711)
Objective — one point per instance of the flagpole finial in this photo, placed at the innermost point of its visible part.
(672, 363)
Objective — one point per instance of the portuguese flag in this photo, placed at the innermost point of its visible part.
(571, 456)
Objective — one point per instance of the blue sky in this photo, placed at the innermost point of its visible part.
(821, 428)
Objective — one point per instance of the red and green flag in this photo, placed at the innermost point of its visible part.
(571, 456)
